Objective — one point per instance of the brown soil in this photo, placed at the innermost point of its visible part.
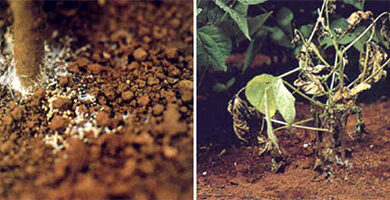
(237, 172)
(119, 124)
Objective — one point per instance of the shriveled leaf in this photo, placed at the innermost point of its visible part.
(310, 85)
(371, 59)
(240, 19)
(213, 47)
(360, 88)
(252, 2)
(385, 29)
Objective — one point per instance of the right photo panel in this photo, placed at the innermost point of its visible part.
(293, 99)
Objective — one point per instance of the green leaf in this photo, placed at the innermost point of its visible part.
(252, 2)
(279, 37)
(260, 94)
(219, 87)
(306, 30)
(339, 25)
(268, 94)
(251, 51)
(249, 55)
(240, 19)
(267, 90)
(359, 4)
(359, 44)
(214, 15)
(230, 82)
(213, 47)
(284, 17)
(256, 23)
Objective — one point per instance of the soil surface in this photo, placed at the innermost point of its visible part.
(117, 121)
(228, 170)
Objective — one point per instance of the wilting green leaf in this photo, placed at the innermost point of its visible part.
(359, 4)
(285, 101)
(267, 90)
(213, 47)
(260, 94)
(284, 17)
(240, 19)
(252, 2)
(268, 94)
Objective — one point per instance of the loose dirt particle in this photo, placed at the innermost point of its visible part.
(17, 113)
(140, 54)
(143, 100)
(127, 95)
(185, 88)
(153, 81)
(133, 65)
(169, 152)
(103, 119)
(95, 68)
(64, 80)
(7, 120)
(58, 123)
(61, 103)
(129, 168)
(171, 52)
(82, 62)
(146, 166)
(39, 93)
(158, 109)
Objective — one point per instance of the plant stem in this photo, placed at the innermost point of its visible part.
(300, 126)
(289, 72)
(296, 123)
(29, 42)
(318, 21)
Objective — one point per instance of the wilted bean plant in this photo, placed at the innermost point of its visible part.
(327, 82)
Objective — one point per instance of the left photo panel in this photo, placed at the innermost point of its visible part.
(96, 99)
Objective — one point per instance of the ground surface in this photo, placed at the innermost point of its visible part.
(117, 122)
(227, 171)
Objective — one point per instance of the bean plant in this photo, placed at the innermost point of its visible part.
(328, 83)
